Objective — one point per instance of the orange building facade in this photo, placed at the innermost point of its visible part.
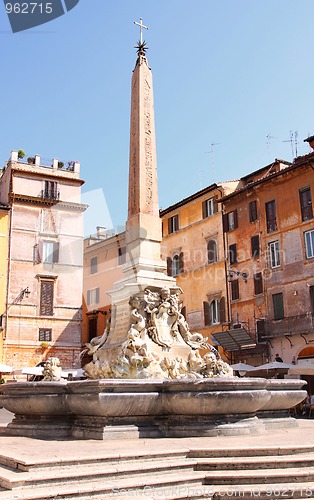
(269, 237)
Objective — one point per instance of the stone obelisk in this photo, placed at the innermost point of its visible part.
(143, 266)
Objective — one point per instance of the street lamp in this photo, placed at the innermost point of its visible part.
(232, 273)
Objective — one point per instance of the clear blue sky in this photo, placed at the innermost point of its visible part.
(226, 72)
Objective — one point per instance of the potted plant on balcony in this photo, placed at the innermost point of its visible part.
(60, 164)
(31, 160)
(20, 154)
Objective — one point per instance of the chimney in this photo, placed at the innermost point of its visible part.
(310, 140)
(101, 231)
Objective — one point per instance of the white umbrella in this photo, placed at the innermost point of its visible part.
(5, 368)
(33, 370)
(242, 367)
(273, 365)
(302, 369)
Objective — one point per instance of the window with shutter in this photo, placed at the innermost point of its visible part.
(50, 252)
(209, 207)
(312, 299)
(55, 255)
(214, 311)
(46, 298)
(173, 224)
(306, 204)
(274, 254)
(94, 265)
(92, 296)
(271, 220)
(181, 263)
(207, 314)
(278, 306)
(222, 310)
(36, 254)
(176, 265)
(255, 246)
(121, 256)
(230, 221)
(45, 335)
(258, 283)
(233, 253)
(234, 289)
(169, 266)
(215, 204)
(211, 251)
(253, 211)
(309, 244)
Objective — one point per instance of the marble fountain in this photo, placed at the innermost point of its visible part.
(157, 383)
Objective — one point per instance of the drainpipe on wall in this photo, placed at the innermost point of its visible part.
(224, 236)
(8, 272)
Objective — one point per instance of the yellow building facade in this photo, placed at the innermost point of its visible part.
(193, 246)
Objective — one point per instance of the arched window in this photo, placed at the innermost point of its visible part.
(212, 251)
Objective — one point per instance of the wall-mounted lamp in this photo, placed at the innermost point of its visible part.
(25, 293)
(232, 273)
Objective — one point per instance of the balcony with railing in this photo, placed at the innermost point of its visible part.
(292, 325)
(50, 194)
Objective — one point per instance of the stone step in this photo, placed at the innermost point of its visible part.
(256, 462)
(271, 491)
(182, 492)
(44, 462)
(80, 472)
(176, 484)
(291, 475)
(250, 452)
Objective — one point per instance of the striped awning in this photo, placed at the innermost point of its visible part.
(234, 340)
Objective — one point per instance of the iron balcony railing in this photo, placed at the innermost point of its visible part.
(304, 323)
(50, 195)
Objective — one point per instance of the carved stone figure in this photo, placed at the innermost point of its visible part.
(97, 342)
(159, 344)
(52, 369)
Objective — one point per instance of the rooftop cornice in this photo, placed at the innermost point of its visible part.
(190, 198)
(45, 172)
(262, 180)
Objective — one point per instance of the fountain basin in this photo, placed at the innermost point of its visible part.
(109, 408)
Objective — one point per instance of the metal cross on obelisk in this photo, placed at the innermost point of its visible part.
(141, 25)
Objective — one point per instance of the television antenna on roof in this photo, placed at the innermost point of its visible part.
(294, 143)
(212, 159)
